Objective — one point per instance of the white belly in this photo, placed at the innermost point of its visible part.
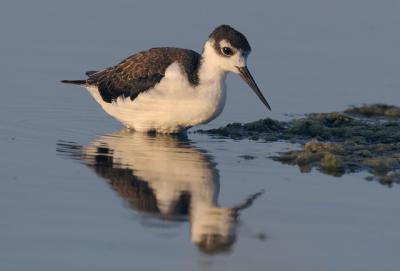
(171, 106)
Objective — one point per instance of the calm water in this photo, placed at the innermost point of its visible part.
(80, 193)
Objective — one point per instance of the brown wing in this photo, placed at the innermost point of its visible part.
(142, 71)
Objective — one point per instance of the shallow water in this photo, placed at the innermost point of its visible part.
(79, 193)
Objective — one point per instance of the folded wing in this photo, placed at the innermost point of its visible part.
(141, 72)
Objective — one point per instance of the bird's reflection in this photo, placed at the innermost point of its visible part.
(167, 177)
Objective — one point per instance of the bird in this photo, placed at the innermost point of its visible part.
(168, 89)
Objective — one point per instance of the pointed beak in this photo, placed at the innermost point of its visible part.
(246, 76)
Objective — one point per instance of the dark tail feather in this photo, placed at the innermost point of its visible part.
(74, 82)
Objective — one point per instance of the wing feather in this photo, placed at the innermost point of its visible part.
(142, 71)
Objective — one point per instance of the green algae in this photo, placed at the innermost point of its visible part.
(337, 159)
(358, 139)
(375, 110)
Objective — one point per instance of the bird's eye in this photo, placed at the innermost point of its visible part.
(227, 51)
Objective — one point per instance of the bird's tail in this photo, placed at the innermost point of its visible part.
(74, 82)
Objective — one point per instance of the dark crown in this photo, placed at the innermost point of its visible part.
(234, 37)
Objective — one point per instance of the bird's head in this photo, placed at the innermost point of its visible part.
(229, 49)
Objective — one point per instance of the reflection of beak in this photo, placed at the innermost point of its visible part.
(246, 76)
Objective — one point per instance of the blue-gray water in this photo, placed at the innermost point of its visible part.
(59, 213)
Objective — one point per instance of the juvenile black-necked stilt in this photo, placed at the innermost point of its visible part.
(169, 90)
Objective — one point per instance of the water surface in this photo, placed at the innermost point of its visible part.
(79, 193)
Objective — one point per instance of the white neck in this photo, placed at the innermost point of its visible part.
(210, 70)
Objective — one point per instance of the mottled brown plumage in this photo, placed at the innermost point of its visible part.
(142, 71)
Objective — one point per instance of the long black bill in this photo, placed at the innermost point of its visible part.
(246, 76)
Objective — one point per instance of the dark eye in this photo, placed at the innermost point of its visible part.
(227, 51)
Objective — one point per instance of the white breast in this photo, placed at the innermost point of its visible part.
(172, 105)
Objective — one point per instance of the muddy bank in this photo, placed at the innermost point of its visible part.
(365, 138)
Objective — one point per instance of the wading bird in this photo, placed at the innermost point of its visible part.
(169, 90)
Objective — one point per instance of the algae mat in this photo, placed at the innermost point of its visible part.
(365, 138)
